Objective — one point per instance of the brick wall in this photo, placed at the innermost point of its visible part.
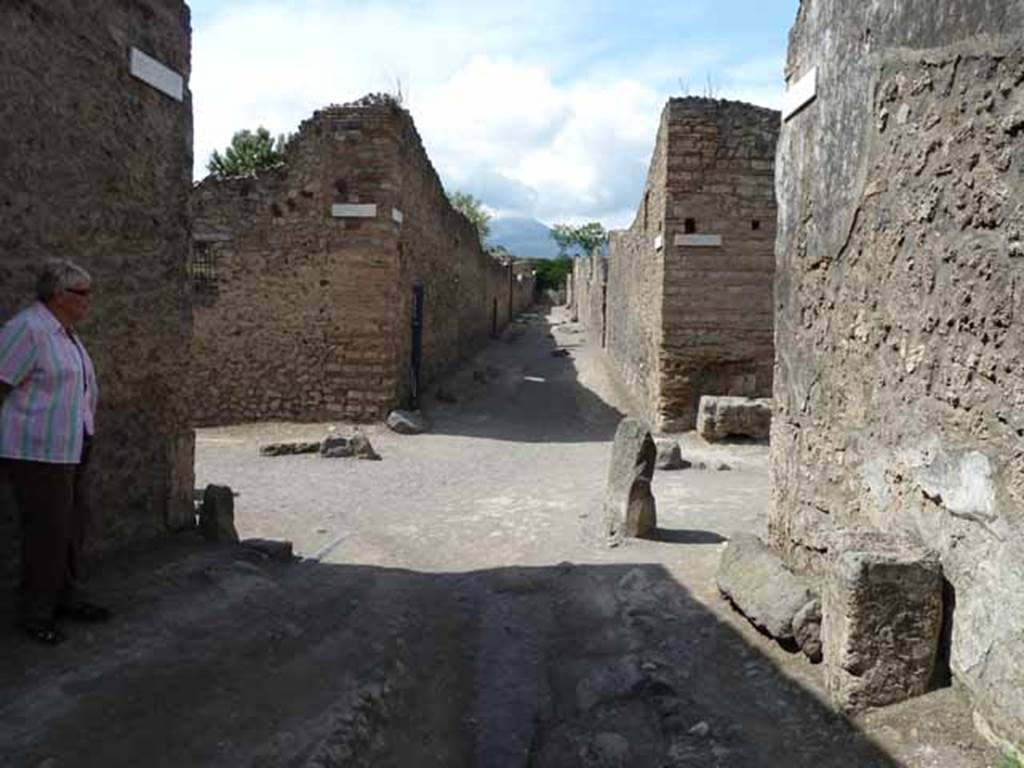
(899, 388)
(310, 313)
(690, 282)
(95, 165)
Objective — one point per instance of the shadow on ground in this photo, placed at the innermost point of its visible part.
(221, 658)
(518, 390)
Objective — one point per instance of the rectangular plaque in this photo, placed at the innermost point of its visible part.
(354, 210)
(397, 216)
(699, 241)
(800, 94)
(152, 72)
(658, 242)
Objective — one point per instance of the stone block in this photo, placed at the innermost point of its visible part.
(756, 581)
(289, 449)
(407, 422)
(217, 514)
(270, 549)
(882, 611)
(722, 417)
(669, 456)
(629, 507)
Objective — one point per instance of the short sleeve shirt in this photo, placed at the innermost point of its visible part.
(52, 403)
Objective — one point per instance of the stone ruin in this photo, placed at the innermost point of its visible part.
(308, 276)
(683, 304)
(96, 165)
(899, 382)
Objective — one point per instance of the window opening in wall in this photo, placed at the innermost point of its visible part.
(755, 224)
(690, 226)
(202, 269)
(647, 199)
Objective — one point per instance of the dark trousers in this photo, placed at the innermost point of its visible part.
(54, 513)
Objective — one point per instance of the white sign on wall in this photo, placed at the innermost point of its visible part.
(396, 216)
(699, 241)
(658, 242)
(152, 72)
(354, 210)
(800, 94)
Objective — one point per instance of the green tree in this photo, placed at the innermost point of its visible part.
(551, 272)
(472, 209)
(249, 152)
(586, 237)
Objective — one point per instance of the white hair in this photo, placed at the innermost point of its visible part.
(58, 275)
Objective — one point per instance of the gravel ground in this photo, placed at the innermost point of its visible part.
(450, 609)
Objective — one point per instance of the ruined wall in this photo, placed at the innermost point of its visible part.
(308, 315)
(900, 290)
(718, 266)
(467, 292)
(299, 321)
(95, 165)
(633, 319)
(690, 283)
(589, 284)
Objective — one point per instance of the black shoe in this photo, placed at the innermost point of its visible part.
(80, 610)
(44, 632)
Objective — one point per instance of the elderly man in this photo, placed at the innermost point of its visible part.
(48, 395)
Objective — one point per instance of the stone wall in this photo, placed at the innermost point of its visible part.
(95, 165)
(589, 280)
(690, 283)
(306, 310)
(900, 296)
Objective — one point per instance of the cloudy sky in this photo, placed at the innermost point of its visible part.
(541, 108)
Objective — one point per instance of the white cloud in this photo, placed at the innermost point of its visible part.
(519, 104)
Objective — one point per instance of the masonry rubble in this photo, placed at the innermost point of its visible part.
(900, 356)
(101, 174)
(310, 277)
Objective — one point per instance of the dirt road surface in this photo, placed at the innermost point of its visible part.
(450, 609)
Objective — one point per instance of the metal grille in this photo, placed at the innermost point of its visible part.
(202, 269)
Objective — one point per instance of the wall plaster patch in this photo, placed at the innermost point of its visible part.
(153, 73)
(800, 94)
(354, 210)
(699, 241)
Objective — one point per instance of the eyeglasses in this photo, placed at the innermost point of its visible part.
(84, 292)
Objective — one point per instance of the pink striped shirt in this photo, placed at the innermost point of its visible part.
(53, 397)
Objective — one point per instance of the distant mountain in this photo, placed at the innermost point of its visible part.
(525, 238)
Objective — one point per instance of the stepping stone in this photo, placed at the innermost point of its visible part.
(629, 507)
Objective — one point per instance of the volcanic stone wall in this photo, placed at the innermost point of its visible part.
(95, 165)
(690, 283)
(304, 275)
(900, 290)
(589, 280)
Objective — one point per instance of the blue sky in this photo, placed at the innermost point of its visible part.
(540, 108)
